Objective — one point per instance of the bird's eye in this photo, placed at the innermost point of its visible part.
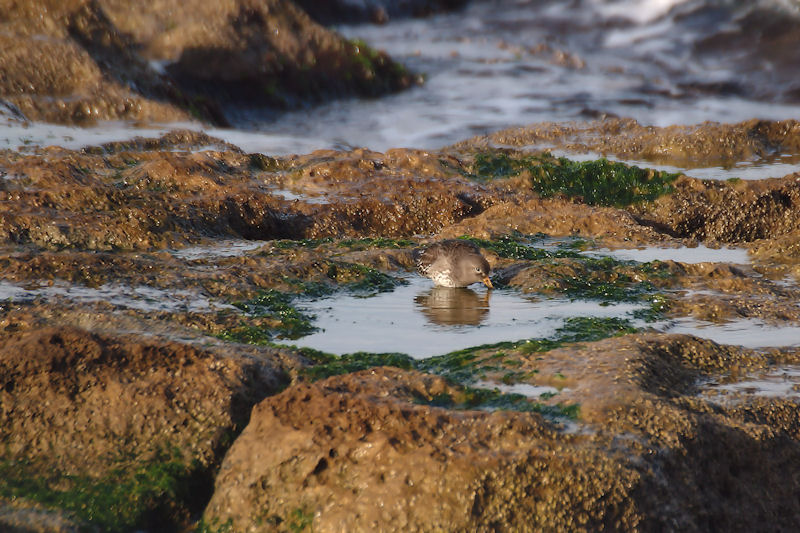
(477, 269)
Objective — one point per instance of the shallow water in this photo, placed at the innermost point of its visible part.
(140, 298)
(772, 166)
(747, 332)
(783, 382)
(222, 248)
(525, 389)
(697, 254)
(421, 321)
(502, 63)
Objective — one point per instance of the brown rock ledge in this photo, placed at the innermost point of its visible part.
(77, 399)
(81, 408)
(367, 451)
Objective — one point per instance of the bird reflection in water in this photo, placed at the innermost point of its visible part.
(448, 306)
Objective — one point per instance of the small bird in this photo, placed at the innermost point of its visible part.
(453, 263)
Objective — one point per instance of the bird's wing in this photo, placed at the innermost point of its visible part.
(425, 257)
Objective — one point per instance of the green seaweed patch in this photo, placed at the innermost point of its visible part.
(519, 246)
(375, 242)
(331, 365)
(361, 278)
(529, 346)
(288, 244)
(365, 243)
(471, 398)
(611, 280)
(215, 526)
(289, 323)
(620, 289)
(309, 289)
(589, 329)
(462, 366)
(248, 334)
(511, 247)
(159, 495)
(659, 306)
(372, 62)
(656, 270)
(598, 182)
(300, 519)
(265, 163)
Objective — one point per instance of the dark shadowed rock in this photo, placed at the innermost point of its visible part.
(376, 11)
(88, 60)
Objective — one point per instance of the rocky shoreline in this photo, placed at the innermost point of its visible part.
(154, 294)
(130, 363)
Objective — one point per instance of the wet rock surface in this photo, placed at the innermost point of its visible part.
(80, 408)
(88, 60)
(150, 292)
(359, 452)
(375, 11)
(363, 450)
(706, 144)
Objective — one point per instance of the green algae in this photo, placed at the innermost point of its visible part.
(159, 495)
(472, 398)
(214, 526)
(519, 246)
(373, 62)
(361, 279)
(619, 290)
(589, 329)
(286, 244)
(265, 163)
(277, 305)
(375, 242)
(285, 320)
(598, 182)
(300, 519)
(611, 280)
(351, 244)
(310, 289)
(331, 365)
(657, 309)
(467, 365)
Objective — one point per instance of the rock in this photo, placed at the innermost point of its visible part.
(138, 195)
(706, 144)
(78, 408)
(106, 425)
(359, 452)
(375, 11)
(369, 451)
(714, 210)
(89, 60)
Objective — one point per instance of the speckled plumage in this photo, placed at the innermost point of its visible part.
(453, 263)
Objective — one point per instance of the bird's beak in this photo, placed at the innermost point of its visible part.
(487, 282)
